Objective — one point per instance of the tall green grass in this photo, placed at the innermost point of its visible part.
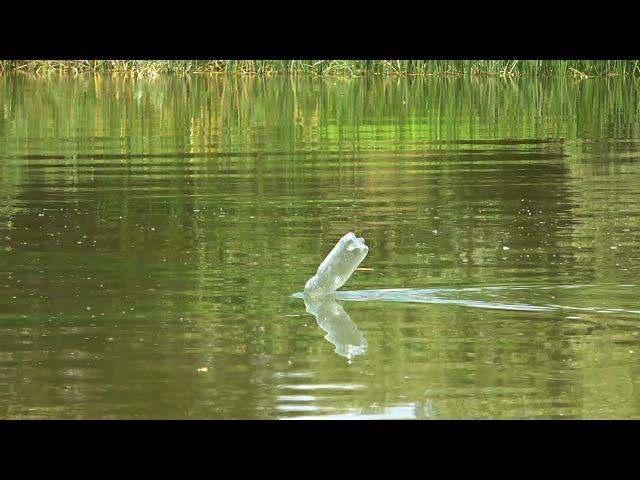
(577, 68)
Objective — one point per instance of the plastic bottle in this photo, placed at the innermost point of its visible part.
(335, 270)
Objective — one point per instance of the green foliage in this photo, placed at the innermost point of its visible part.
(509, 68)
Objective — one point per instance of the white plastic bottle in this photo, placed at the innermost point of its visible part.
(336, 269)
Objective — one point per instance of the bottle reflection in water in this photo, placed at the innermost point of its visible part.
(341, 331)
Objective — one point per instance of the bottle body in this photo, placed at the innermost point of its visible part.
(338, 266)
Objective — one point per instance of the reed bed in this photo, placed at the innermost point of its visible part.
(510, 68)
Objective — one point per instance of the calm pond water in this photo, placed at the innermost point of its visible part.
(154, 233)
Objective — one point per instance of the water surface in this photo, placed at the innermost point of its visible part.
(153, 233)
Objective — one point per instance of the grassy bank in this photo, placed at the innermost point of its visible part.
(577, 68)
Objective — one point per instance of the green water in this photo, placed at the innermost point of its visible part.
(153, 229)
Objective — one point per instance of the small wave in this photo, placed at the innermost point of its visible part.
(443, 296)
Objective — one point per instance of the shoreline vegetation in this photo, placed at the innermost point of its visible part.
(505, 68)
